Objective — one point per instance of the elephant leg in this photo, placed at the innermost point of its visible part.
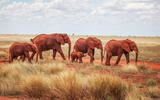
(118, 59)
(27, 55)
(72, 59)
(33, 55)
(15, 57)
(40, 55)
(108, 58)
(61, 53)
(93, 54)
(37, 56)
(90, 53)
(22, 58)
(80, 60)
(127, 57)
(54, 53)
(12, 58)
(76, 60)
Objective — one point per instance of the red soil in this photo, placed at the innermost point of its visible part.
(7, 98)
(149, 64)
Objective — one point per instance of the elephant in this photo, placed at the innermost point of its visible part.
(75, 56)
(21, 49)
(51, 41)
(118, 48)
(88, 45)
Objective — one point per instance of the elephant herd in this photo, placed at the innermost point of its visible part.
(44, 42)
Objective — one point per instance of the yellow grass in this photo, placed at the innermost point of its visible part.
(54, 82)
(129, 69)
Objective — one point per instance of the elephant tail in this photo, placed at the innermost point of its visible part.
(32, 41)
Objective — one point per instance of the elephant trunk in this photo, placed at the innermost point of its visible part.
(101, 55)
(136, 51)
(69, 49)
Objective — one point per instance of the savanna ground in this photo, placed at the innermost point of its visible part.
(62, 80)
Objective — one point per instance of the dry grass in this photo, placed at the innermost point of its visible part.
(68, 86)
(55, 82)
(51, 79)
(129, 69)
(103, 87)
(35, 86)
(153, 92)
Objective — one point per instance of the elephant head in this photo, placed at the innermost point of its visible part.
(60, 39)
(129, 45)
(66, 39)
(30, 47)
(93, 42)
(82, 54)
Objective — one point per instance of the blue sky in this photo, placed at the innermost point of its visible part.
(83, 17)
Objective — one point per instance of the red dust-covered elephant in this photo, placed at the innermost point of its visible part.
(118, 48)
(21, 49)
(51, 41)
(75, 56)
(88, 45)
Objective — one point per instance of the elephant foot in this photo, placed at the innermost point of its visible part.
(54, 58)
(107, 64)
(115, 64)
(64, 58)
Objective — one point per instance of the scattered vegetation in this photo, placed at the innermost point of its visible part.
(129, 69)
(150, 83)
(98, 66)
(3, 56)
(54, 82)
(153, 92)
(50, 79)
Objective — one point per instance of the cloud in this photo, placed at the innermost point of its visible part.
(3, 1)
(79, 12)
(136, 8)
(52, 9)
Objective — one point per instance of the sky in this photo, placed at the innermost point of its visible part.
(81, 17)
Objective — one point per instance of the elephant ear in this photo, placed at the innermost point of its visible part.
(91, 43)
(28, 47)
(34, 47)
(60, 39)
(125, 46)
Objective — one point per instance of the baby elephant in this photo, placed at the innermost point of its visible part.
(75, 56)
(21, 49)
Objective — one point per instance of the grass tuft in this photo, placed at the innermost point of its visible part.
(103, 87)
(129, 69)
(35, 86)
(150, 83)
(68, 86)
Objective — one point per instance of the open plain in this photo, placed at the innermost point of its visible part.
(62, 80)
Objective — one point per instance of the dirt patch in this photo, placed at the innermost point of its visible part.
(149, 64)
(9, 98)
